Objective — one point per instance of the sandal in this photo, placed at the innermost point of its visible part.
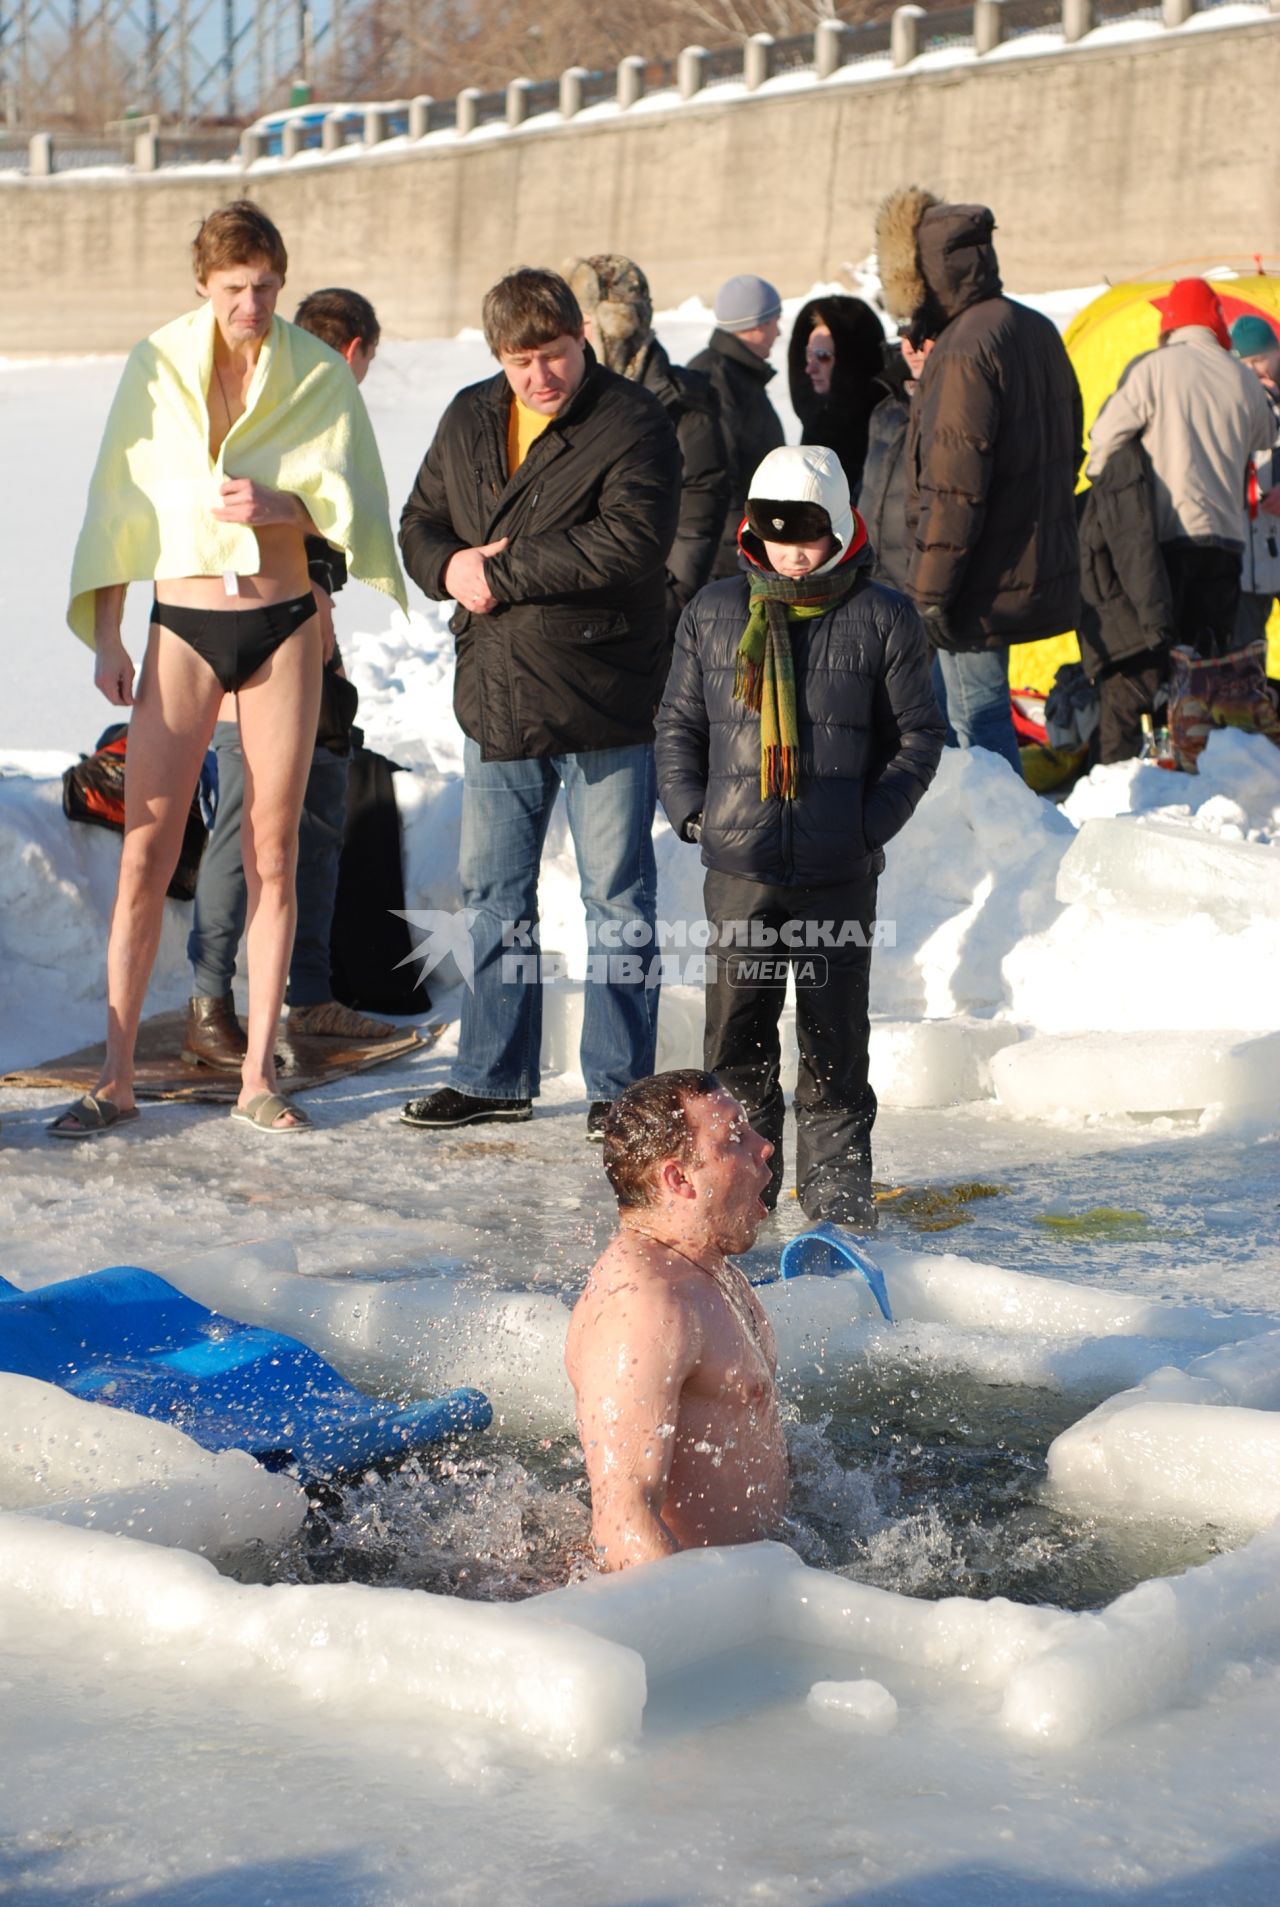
(95, 1115)
(264, 1109)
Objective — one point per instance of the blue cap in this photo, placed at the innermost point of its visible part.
(746, 301)
(1251, 337)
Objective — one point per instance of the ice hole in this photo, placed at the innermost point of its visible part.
(932, 1487)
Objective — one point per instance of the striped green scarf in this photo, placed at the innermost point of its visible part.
(764, 678)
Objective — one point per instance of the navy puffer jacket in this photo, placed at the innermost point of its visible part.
(870, 736)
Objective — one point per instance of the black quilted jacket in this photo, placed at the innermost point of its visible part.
(870, 737)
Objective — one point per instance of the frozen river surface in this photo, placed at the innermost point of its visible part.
(131, 1778)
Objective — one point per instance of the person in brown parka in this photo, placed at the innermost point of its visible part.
(996, 440)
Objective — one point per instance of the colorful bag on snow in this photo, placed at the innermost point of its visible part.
(1219, 692)
(93, 791)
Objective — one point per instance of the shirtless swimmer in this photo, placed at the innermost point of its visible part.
(669, 1352)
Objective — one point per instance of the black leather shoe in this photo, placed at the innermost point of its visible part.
(213, 1036)
(595, 1121)
(440, 1112)
(855, 1211)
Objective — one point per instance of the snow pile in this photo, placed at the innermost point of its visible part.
(1084, 1074)
(1201, 1444)
(1168, 920)
(866, 1706)
(384, 1654)
(1063, 1679)
(69, 1461)
(415, 1337)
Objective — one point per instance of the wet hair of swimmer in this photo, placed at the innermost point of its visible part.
(646, 1124)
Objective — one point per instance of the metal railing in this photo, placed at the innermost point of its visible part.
(835, 48)
(869, 40)
(1019, 17)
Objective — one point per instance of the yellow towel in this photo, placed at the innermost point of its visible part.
(305, 429)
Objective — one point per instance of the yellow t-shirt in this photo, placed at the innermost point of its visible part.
(524, 427)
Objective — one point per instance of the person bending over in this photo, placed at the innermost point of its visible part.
(233, 436)
(671, 1357)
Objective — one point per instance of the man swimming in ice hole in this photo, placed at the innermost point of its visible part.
(671, 1357)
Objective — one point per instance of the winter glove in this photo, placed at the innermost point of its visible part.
(691, 830)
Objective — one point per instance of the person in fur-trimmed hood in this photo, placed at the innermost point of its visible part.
(995, 442)
(797, 733)
(617, 310)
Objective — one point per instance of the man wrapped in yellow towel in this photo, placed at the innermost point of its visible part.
(232, 438)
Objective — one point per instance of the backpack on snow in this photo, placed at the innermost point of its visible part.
(93, 791)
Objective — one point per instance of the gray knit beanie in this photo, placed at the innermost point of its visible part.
(746, 301)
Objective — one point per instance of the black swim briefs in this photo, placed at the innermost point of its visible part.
(236, 642)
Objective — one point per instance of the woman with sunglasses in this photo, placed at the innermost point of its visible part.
(833, 361)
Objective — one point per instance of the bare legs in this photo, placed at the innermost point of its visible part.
(173, 718)
(172, 722)
(279, 709)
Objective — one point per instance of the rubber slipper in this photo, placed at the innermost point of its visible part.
(264, 1109)
(96, 1115)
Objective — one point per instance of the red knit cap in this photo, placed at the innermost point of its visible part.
(1193, 301)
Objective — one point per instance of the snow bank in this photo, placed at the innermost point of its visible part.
(1167, 917)
(69, 1461)
(1082, 1074)
(413, 1337)
(570, 1671)
(1139, 1653)
(1200, 1444)
(367, 1653)
(1063, 1679)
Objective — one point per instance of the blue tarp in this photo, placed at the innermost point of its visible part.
(125, 1337)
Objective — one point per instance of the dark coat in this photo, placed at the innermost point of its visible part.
(870, 737)
(690, 401)
(995, 443)
(575, 655)
(751, 427)
(1127, 606)
(840, 419)
(882, 500)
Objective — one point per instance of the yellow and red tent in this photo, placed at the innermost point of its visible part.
(1101, 340)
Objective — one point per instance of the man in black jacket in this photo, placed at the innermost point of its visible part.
(797, 733)
(618, 313)
(545, 508)
(748, 310)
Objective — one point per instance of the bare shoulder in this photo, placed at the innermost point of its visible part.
(637, 1279)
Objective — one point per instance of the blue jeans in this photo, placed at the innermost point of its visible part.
(222, 895)
(506, 810)
(973, 694)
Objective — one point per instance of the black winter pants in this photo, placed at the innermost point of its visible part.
(1206, 592)
(835, 1106)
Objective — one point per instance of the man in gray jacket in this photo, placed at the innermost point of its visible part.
(1255, 343)
(1200, 416)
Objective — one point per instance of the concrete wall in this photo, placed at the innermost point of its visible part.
(1100, 162)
